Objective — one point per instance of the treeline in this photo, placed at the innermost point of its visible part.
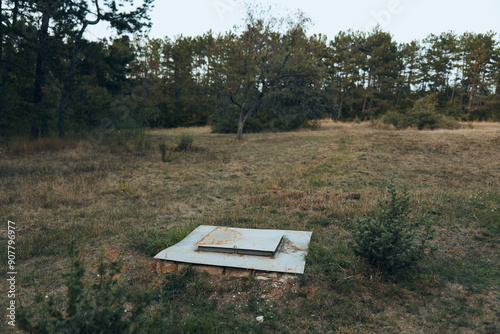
(269, 75)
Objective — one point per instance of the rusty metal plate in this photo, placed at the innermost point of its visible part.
(289, 257)
(241, 241)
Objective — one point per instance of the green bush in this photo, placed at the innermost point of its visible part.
(426, 119)
(279, 111)
(104, 305)
(390, 240)
(163, 151)
(395, 118)
(423, 115)
(185, 142)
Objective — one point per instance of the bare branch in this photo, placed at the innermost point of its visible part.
(94, 22)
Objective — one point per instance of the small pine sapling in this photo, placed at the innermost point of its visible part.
(390, 240)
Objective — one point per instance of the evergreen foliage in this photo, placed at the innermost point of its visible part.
(103, 306)
(423, 115)
(267, 76)
(390, 239)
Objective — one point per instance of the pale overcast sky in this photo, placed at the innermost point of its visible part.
(406, 20)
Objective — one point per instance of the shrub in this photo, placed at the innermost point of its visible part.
(103, 307)
(389, 239)
(394, 118)
(279, 111)
(127, 140)
(185, 142)
(142, 142)
(163, 150)
(423, 115)
(426, 119)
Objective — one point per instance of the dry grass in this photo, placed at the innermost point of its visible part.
(319, 180)
(22, 146)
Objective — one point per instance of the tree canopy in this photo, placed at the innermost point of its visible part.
(269, 75)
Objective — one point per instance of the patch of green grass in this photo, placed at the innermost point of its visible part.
(151, 242)
(344, 141)
(475, 275)
(485, 208)
(200, 323)
(322, 222)
(335, 263)
(176, 282)
(53, 241)
(337, 311)
(186, 306)
(456, 312)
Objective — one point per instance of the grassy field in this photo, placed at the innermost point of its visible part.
(119, 199)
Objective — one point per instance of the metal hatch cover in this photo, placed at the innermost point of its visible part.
(289, 247)
(241, 241)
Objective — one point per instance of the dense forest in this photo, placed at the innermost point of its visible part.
(267, 75)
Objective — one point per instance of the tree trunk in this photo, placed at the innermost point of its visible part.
(45, 123)
(4, 92)
(8, 37)
(364, 104)
(454, 88)
(244, 116)
(339, 115)
(446, 86)
(34, 128)
(1, 30)
(367, 88)
(69, 79)
(68, 85)
(408, 84)
(471, 96)
(462, 95)
(351, 104)
(39, 95)
(60, 122)
(242, 119)
(239, 132)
